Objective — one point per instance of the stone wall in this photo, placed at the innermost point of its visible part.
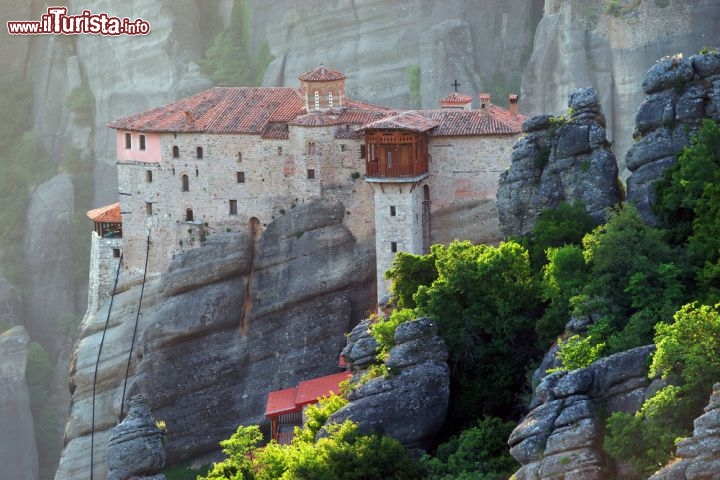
(103, 269)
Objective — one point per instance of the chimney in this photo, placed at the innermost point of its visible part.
(513, 100)
(484, 100)
(189, 117)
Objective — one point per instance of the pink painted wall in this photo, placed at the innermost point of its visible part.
(151, 154)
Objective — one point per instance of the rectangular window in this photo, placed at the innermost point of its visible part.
(116, 253)
(148, 176)
(233, 207)
(148, 208)
(239, 156)
(393, 247)
(240, 177)
(128, 141)
(142, 142)
(279, 151)
(362, 151)
(311, 173)
(393, 212)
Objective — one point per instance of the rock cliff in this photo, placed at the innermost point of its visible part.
(698, 457)
(560, 159)
(610, 46)
(18, 454)
(409, 404)
(681, 92)
(226, 324)
(561, 437)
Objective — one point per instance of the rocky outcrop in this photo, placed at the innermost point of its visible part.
(49, 261)
(698, 457)
(585, 42)
(136, 446)
(226, 324)
(410, 403)
(10, 304)
(18, 454)
(559, 160)
(681, 92)
(561, 437)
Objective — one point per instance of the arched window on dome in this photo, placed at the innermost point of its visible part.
(317, 100)
(330, 102)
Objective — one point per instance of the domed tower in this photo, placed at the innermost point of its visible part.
(322, 89)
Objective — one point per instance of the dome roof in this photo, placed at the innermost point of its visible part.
(321, 74)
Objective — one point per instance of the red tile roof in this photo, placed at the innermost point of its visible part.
(312, 390)
(106, 214)
(321, 74)
(315, 120)
(456, 98)
(276, 131)
(413, 121)
(492, 120)
(219, 110)
(281, 401)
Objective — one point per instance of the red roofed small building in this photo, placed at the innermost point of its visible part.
(235, 158)
(105, 252)
(285, 407)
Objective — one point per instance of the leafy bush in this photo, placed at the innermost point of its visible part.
(688, 358)
(81, 102)
(342, 453)
(480, 452)
(384, 329)
(407, 273)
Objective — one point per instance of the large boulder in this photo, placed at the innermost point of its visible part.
(411, 402)
(559, 160)
(561, 437)
(681, 93)
(136, 446)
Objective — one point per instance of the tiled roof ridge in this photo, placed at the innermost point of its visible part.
(322, 74)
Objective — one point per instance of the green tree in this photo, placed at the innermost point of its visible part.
(407, 273)
(485, 304)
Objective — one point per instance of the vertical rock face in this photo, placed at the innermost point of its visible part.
(561, 437)
(136, 446)
(10, 304)
(227, 323)
(681, 92)
(49, 260)
(698, 457)
(411, 403)
(18, 454)
(583, 42)
(560, 159)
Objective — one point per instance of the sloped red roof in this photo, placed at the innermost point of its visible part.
(106, 214)
(219, 110)
(492, 120)
(412, 120)
(315, 120)
(310, 391)
(281, 401)
(456, 98)
(276, 131)
(321, 74)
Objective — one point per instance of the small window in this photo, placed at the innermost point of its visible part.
(393, 247)
(343, 148)
(239, 156)
(128, 141)
(199, 152)
(142, 142)
(240, 177)
(176, 151)
(311, 148)
(148, 208)
(317, 100)
(185, 181)
(173, 170)
(330, 99)
(311, 173)
(362, 151)
(279, 150)
(393, 212)
(189, 215)
(233, 207)
(148, 176)
(197, 172)
(116, 253)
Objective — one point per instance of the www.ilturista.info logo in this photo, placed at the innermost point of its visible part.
(57, 21)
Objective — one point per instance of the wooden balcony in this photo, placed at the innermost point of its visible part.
(395, 155)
